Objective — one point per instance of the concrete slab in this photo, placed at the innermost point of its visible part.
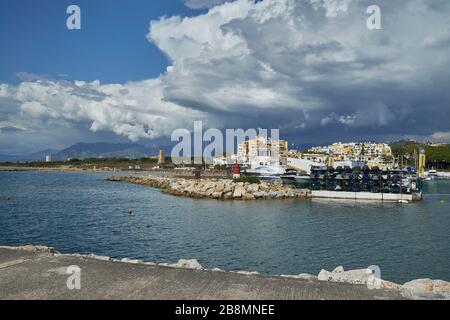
(386, 197)
(43, 276)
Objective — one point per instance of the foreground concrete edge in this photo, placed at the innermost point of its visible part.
(45, 274)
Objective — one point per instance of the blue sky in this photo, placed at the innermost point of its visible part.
(111, 47)
(140, 69)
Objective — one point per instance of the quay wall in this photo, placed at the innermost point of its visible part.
(387, 197)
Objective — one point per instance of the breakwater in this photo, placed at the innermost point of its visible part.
(221, 189)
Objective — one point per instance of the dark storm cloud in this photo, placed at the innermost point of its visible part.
(306, 65)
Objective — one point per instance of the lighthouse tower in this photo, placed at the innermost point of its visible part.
(236, 170)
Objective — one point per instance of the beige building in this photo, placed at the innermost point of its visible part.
(262, 147)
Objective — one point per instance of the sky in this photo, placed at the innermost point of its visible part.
(137, 70)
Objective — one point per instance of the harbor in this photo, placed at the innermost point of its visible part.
(270, 236)
(353, 171)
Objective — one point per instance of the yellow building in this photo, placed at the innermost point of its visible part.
(372, 154)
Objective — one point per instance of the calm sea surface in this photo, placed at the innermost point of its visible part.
(81, 212)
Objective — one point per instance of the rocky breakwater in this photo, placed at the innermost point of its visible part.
(221, 189)
(419, 289)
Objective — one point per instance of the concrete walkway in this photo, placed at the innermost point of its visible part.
(28, 275)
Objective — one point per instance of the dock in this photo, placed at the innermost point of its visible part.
(383, 197)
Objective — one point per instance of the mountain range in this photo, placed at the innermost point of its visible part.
(83, 150)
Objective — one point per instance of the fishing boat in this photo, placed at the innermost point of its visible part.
(292, 177)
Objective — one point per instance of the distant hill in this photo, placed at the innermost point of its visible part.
(91, 150)
(37, 156)
(106, 150)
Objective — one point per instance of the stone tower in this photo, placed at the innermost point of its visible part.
(161, 157)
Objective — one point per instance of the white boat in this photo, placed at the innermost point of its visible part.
(265, 166)
(267, 170)
(291, 177)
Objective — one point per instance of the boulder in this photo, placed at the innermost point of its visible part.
(228, 195)
(252, 188)
(238, 192)
(426, 289)
(353, 276)
(441, 286)
(133, 261)
(338, 269)
(228, 188)
(189, 190)
(325, 275)
(301, 276)
(248, 196)
(220, 187)
(38, 249)
(103, 258)
(217, 195)
(420, 285)
(291, 194)
(247, 273)
(358, 276)
(209, 192)
(280, 195)
(272, 194)
(209, 185)
(188, 264)
(260, 195)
